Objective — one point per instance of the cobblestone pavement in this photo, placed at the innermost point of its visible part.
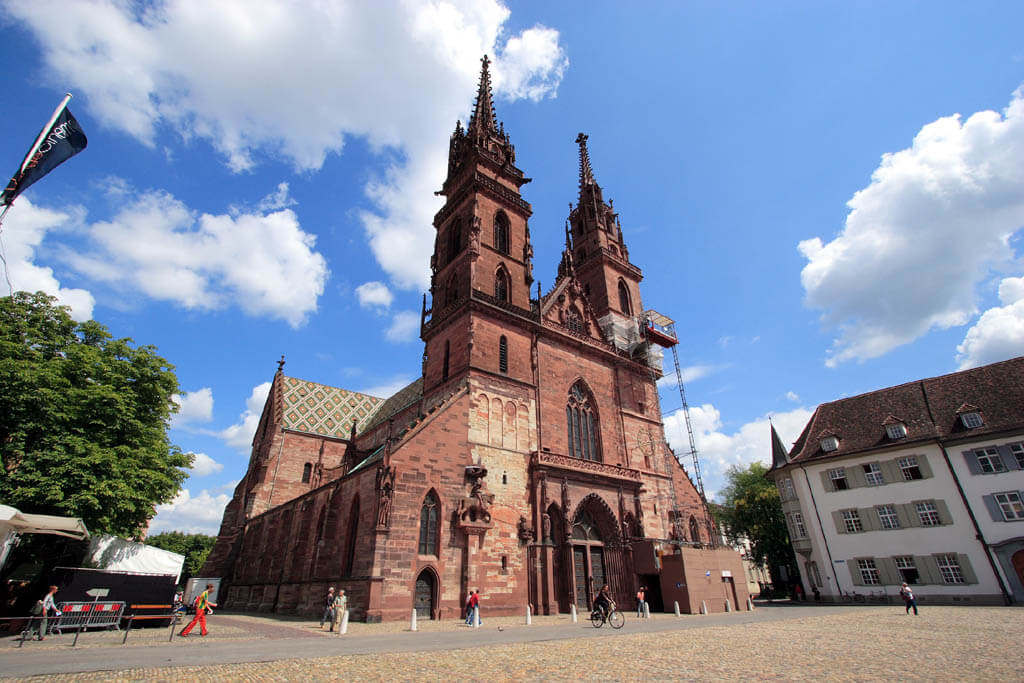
(856, 644)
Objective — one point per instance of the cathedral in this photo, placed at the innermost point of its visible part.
(527, 462)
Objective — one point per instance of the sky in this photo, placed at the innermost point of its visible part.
(826, 197)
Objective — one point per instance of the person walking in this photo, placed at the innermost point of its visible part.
(328, 613)
(472, 606)
(641, 596)
(340, 606)
(908, 598)
(202, 604)
(45, 609)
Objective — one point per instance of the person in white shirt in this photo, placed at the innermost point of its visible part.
(908, 598)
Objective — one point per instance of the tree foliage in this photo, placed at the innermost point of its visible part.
(83, 419)
(752, 509)
(195, 548)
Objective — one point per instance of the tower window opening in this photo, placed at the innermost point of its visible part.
(501, 230)
(624, 304)
(447, 357)
(501, 285)
(307, 471)
(503, 354)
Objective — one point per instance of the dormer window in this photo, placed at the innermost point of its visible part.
(971, 419)
(829, 443)
(896, 431)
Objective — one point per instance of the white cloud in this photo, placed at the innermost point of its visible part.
(279, 199)
(195, 406)
(718, 450)
(294, 80)
(792, 396)
(203, 465)
(404, 327)
(239, 435)
(690, 374)
(191, 514)
(374, 295)
(999, 332)
(263, 263)
(26, 227)
(935, 220)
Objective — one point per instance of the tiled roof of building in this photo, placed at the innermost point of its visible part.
(929, 408)
(328, 411)
(398, 401)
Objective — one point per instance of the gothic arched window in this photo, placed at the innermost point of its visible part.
(582, 424)
(624, 304)
(574, 321)
(307, 471)
(447, 358)
(501, 232)
(503, 354)
(501, 285)
(451, 293)
(454, 240)
(429, 514)
(694, 530)
(349, 563)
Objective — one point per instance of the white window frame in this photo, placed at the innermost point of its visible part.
(798, 525)
(1018, 452)
(1011, 505)
(928, 513)
(950, 569)
(908, 466)
(887, 517)
(838, 474)
(830, 443)
(906, 562)
(851, 518)
(873, 474)
(989, 461)
(869, 572)
(971, 420)
(895, 431)
(786, 489)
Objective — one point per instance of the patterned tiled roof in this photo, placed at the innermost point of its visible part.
(324, 410)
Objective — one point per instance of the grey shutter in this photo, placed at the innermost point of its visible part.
(972, 462)
(858, 580)
(1009, 461)
(826, 483)
(910, 514)
(906, 521)
(855, 476)
(928, 569)
(943, 509)
(992, 505)
(869, 519)
(837, 517)
(891, 471)
(887, 571)
(926, 469)
(967, 569)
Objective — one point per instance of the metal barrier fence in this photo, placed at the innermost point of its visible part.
(86, 615)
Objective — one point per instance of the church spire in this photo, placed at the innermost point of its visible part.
(586, 173)
(483, 121)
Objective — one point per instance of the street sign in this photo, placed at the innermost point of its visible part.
(97, 592)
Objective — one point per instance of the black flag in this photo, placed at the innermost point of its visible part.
(58, 143)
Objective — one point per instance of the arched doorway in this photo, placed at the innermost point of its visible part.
(425, 593)
(587, 558)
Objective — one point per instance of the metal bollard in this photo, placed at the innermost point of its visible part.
(703, 607)
(750, 605)
(344, 624)
(677, 608)
(529, 619)
(572, 611)
(647, 611)
(412, 624)
(476, 617)
(728, 606)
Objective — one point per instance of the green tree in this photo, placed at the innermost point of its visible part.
(752, 509)
(195, 548)
(83, 419)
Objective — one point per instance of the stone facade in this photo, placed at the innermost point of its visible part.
(528, 462)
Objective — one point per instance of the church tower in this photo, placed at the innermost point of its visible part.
(482, 257)
(601, 259)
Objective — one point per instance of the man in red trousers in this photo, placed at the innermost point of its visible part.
(202, 602)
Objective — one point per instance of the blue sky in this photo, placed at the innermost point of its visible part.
(827, 197)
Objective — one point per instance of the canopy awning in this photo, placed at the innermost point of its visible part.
(13, 520)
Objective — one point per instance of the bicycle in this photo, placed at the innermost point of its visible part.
(613, 618)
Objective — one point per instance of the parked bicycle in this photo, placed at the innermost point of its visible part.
(613, 618)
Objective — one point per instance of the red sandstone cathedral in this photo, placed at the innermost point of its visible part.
(528, 461)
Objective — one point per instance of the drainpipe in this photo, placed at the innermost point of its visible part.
(824, 536)
(977, 529)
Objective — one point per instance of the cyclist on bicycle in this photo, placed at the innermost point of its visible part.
(603, 601)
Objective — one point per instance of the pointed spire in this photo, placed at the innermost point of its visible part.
(780, 454)
(586, 173)
(483, 119)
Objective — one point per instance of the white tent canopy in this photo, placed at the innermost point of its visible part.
(14, 522)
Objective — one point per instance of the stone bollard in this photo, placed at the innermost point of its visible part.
(728, 606)
(647, 611)
(703, 607)
(677, 608)
(344, 623)
(412, 623)
(529, 616)
(572, 611)
(476, 617)
(750, 605)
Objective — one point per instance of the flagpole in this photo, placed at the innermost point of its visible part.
(44, 132)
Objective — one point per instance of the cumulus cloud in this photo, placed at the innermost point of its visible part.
(26, 226)
(191, 514)
(792, 396)
(935, 221)
(156, 245)
(999, 332)
(719, 450)
(276, 200)
(404, 327)
(239, 435)
(374, 295)
(295, 80)
(195, 406)
(202, 465)
(690, 374)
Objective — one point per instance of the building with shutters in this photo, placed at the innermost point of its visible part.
(919, 483)
(529, 459)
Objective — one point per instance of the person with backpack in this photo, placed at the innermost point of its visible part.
(202, 603)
